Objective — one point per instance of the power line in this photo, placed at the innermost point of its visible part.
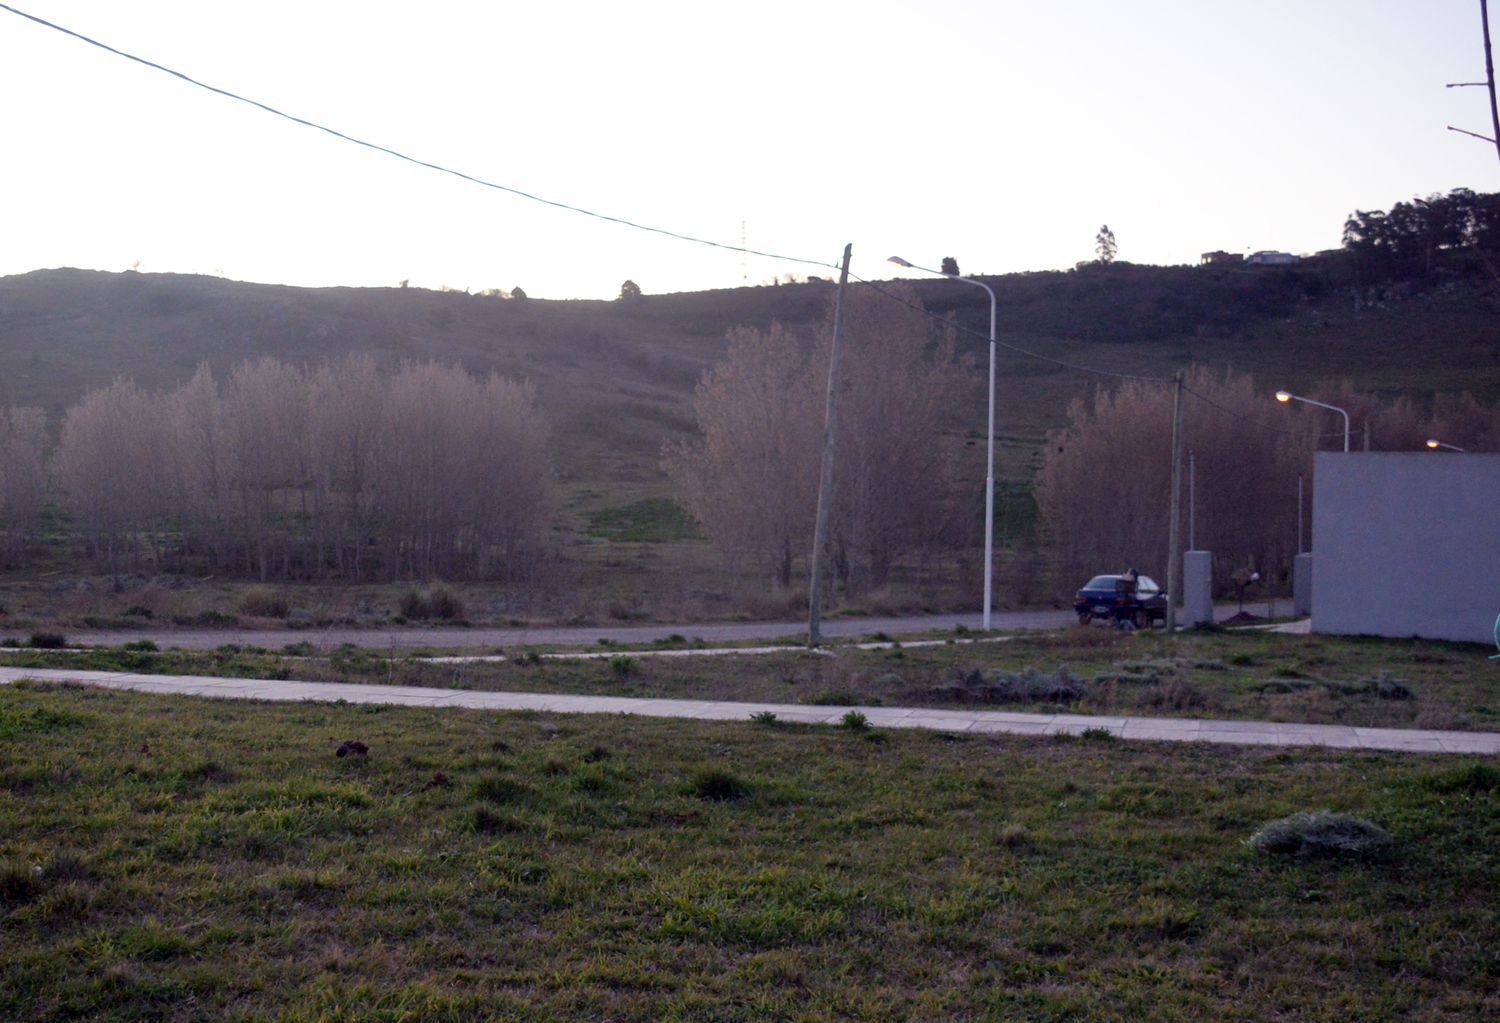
(412, 159)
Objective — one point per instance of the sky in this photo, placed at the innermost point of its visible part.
(1003, 133)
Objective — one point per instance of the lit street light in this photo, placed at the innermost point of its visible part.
(1434, 444)
(1286, 396)
(989, 475)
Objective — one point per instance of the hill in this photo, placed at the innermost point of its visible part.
(616, 378)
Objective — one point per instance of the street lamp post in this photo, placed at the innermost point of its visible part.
(1286, 396)
(1434, 444)
(989, 473)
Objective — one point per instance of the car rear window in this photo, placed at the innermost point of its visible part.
(1105, 582)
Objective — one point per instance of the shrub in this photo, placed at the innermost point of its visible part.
(1033, 686)
(139, 611)
(47, 640)
(854, 721)
(260, 602)
(444, 603)
(622, 664)
(717, 784)
(438, 603)
(142, 645)
(1322, 835)
(1099, 734)
(764, 717)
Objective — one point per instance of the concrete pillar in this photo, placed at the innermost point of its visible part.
(1302, 573)
(1197, 588)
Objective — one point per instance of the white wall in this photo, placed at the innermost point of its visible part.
(1406, 544)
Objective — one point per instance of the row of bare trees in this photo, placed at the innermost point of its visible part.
(1104, 486)
(751, 478)
(281, 472)
(23, 478)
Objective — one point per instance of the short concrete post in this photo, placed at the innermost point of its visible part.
(1302, 573)
(1197, 588)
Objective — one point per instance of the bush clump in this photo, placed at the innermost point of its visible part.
(47, 640)
(717, 784)
(440, 602)
(1034, 686)
(854, 721)
(1321, 835)
(260, 602)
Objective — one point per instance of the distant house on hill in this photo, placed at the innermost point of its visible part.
(1272, 259)
(1219, 257)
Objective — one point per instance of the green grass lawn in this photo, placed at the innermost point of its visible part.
(170, 858)
(1245, 675)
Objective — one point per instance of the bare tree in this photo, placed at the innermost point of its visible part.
(23, 478)
(284, 473)
(751, 479)
(1104, 486)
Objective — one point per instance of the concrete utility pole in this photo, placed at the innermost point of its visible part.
(825, 480)
(1174, 537)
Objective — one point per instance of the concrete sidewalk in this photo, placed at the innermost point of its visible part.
(1241, 733)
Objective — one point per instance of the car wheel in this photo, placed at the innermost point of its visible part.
(1135, 618)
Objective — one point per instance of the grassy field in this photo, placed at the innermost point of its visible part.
(176, 859)
(1243, 674)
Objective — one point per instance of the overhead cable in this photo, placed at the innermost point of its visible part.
(412, 159)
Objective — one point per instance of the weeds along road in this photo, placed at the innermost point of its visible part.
(450, 637)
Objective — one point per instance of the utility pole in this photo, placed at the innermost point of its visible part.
(1489, 71)
(1174, 538)
(825, 480)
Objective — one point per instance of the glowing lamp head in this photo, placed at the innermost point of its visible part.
(1283, 396)
(898, 261)
(1433, 444)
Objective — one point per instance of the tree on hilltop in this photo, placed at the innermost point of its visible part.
(630, 291)
(1104, 245)
(950, 266)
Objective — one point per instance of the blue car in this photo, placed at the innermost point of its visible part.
(1121, 599)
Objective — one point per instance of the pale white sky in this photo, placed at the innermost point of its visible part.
(1003, 133)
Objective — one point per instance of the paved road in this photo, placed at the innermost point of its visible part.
(1238, 733)
(490, 638)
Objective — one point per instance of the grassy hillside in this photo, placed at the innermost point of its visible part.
(616, 379)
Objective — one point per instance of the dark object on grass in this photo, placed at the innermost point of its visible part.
(47, 640)
(1322, 835)
(717, 784)
(438, 781)
(352, 748)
